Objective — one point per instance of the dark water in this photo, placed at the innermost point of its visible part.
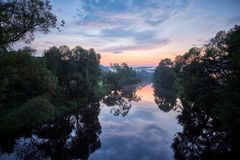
(126, 125)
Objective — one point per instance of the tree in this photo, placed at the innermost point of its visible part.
(23, 76)
(227, 106)
(164, 76)
(121, 75)
(19, 20)
(77, 70)
(35, 111)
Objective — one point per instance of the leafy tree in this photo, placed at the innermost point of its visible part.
(23, 76)
(121, 75)
(164, 76)
(19, 20)
(77, 70)
(227, 107)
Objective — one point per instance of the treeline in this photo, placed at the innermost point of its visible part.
(36, 89)
(121, 75)
(207, 81)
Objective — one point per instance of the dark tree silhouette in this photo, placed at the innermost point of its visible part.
(19, 20)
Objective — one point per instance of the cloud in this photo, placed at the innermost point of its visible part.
(128, 13)
(134, 144)
(137, 46)
(130, 24)
(145, 36)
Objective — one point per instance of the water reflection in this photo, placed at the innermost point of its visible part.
(201, 137)
(120, 100)
(73, 136)
(145, 133)
(138, 131)
(165, 99)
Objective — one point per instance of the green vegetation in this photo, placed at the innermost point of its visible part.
(208, 84)
(121, 75)
(23, 76)
(29, 17)
(77, 71)
(65, 79)
(37, 89)
(164, 76)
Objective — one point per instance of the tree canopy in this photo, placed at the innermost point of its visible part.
(77, 70)
(19, 20)
(164, 76)
(121, 75)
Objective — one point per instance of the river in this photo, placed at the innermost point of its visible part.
(123, 126)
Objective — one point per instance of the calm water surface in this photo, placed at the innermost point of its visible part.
(126, 125)
(144, 133)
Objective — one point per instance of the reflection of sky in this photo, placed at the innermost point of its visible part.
(139, 32)
(145, 133)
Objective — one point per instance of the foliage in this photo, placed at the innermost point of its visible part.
(21, 19)
(31, 93)
(23, 76)
(77, 70)
(121, 75)
(164, 76)
(35, 111)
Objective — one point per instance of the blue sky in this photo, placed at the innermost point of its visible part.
(139, 32)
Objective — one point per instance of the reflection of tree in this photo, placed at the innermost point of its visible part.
(7, 142)
(120, 100)
(74, 136)
(201, 137)
(165, 98)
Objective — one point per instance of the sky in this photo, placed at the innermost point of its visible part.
(138, 32)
